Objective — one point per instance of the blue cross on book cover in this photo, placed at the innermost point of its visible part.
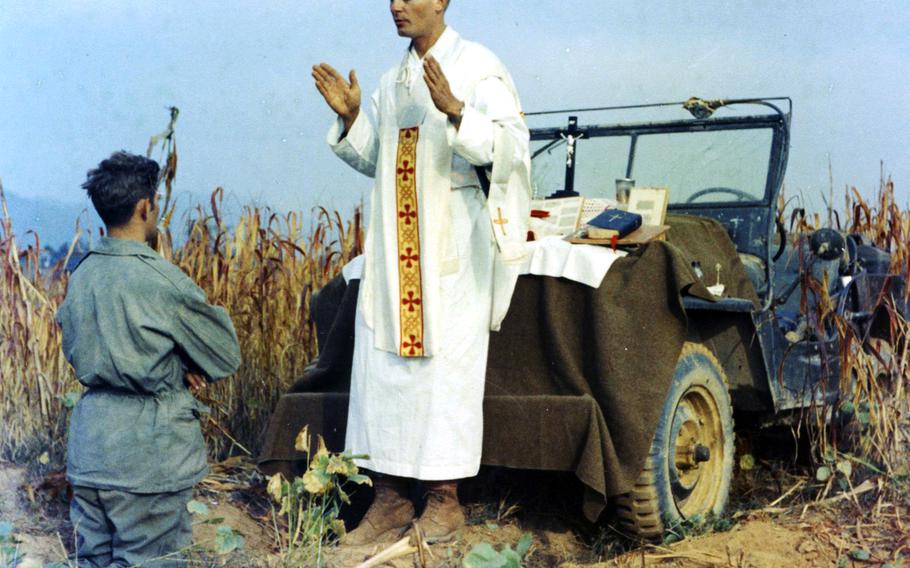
(613, 222)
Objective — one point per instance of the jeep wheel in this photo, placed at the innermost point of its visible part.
(688, 469)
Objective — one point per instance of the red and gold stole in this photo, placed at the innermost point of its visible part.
(410, 287)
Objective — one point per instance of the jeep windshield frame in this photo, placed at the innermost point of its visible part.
(749, 217)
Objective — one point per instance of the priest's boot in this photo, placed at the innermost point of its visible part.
(388, 517)
(443, 516)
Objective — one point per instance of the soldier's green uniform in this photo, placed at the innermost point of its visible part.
(133, 324)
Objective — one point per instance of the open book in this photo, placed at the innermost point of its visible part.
(565, 215)
(650, 203)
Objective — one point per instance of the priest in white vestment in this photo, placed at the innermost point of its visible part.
(439, 260)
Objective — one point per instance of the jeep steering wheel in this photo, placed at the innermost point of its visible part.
(742, 195)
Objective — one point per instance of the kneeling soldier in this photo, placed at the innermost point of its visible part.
(142, 339)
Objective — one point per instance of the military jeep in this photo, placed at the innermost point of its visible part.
(763, 355)
(631, 384)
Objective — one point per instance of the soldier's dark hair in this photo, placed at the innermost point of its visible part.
(117, 185)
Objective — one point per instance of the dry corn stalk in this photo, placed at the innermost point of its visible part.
(397, 550)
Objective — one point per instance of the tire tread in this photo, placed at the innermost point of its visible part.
(638, 511)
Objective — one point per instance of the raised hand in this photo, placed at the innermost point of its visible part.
(440, 91)
(343, 97)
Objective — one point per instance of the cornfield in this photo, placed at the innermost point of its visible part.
(872, 425)
(263, 269)
(34, 376)
(875, 370)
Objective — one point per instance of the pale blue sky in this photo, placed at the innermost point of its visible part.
(80, 79)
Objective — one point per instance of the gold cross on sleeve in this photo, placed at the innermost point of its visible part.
(500, 220)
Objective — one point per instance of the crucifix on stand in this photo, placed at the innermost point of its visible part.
(571, 135)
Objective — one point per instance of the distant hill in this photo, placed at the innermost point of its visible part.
(54, 221)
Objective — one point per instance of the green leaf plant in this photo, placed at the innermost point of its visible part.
(309, 505)
(483, 555)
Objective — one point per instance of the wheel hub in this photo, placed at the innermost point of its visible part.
(697, 435)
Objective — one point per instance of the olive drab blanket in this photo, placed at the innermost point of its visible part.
(575, 379)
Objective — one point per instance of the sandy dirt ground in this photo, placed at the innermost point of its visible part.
(39, 535)
(797, 536)
(755, 543)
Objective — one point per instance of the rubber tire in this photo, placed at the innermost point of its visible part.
(646, 511)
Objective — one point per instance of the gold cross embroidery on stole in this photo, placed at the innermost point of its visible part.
(410, 287)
